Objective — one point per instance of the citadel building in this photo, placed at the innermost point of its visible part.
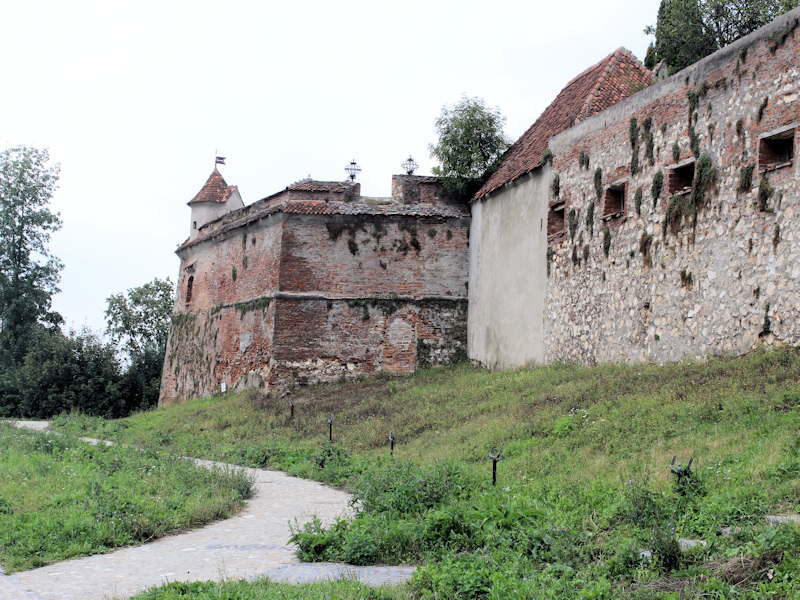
(636, 220)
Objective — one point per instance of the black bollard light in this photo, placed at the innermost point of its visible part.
(391, 443)
(291, 410)
(494, 454)
(330, 429)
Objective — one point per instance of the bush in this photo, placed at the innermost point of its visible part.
(66, 373)
(403, 488)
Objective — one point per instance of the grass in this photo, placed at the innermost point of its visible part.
(262, 589)
(62, 498)
(585, 483)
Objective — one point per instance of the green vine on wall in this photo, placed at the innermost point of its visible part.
(658, 183)
(606, 241)
(746, 177)
(649, 142)
(573, 223)
(555, 186)
(590, 218)
(765, 192)
(598, 183)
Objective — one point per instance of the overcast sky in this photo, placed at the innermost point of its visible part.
(135, 99)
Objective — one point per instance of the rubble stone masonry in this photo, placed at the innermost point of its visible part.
(710, 263)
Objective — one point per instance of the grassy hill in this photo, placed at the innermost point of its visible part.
(584, 485)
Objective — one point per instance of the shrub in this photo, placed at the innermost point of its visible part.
(402, 488)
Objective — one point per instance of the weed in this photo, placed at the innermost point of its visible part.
(676, 152)
(590, 218)
(555, 186)
(547, 157)
(658, 183)
(762, 107)
(645, 243)
(598, 183)
(767, 328)
(573, 223)
(637, 201)
(606, 241)
(765, 192)
(680, 210)
(746, 177)
(776, 40)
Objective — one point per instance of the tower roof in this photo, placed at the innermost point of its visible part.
(214, 190)
(617, 76)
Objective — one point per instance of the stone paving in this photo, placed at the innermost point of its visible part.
(252, 544)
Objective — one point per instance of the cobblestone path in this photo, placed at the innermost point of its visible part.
(254, 543)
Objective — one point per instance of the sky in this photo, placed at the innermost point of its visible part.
(135, 100)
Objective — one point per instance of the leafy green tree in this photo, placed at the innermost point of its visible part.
(139, 321)
(681, 37)
(141, 317)
(689, 30)
(471, 142)
(29, 274)
(75, 372)
(726, 21)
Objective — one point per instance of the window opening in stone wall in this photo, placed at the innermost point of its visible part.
(555, 219)
(776, 151)
(189, 285)
(679, 179)
(614, 201)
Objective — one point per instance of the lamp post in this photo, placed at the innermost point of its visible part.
(410, 166)
(352, 170)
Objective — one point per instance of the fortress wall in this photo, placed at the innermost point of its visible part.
(323, 340)
(316, 298)
(375, 256)
(668, 288)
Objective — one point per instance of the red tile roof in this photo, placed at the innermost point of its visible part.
(617, 76)
(310, 185)
(264, 208)
(214, 190)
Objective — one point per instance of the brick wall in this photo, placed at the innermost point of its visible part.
(285, 298)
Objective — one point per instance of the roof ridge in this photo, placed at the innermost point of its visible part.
(613, 60)
(617, 76)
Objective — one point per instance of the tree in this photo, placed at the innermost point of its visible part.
(139, 321)
(726, 21)
(688, 30)
(29, 274)
(681, 38)
(471, 142)
(75, 372)
(142, 317)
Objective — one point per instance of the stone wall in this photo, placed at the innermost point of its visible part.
(682, 273)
